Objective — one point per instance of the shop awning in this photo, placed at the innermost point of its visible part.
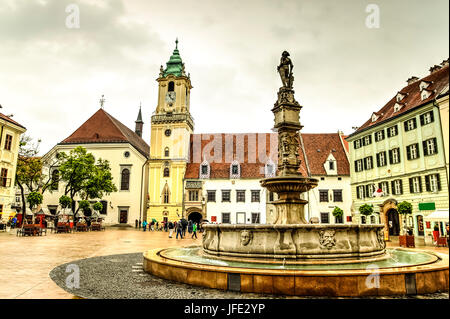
(438, 216)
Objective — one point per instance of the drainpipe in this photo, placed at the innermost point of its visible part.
(442, 138)
(142, 183)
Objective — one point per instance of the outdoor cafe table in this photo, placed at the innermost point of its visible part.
(63, 228)
(81, 227)
(95, 226)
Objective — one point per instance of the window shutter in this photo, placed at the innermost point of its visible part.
(411, 188)
(435, 145)
(406, 126)
(398, 155)
(354, 145)
(431, 116)
(378, 160)
(365, 163)
(390, 157)
(422, 120)
(417, 150)
(408, 152)
(370, 139)
(393, 187)
(427, 183)
(425, 149)
(358, 195)
(420, 184)
(415, 123)
(401, 187)
(438, 179)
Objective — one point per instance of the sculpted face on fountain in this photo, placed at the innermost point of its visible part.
(246, 237)
(327, 238)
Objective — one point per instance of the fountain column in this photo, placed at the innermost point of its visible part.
(289, 183)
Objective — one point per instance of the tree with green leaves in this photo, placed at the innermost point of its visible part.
(366, 209)
(404, 208)
(84, 176)
(98, 206)
(29, 173)
(65, 201)
(34, 199)
(338, 213)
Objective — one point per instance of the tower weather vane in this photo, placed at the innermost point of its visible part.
(102, 101)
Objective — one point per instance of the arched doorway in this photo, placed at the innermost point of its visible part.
(393, 222)
(196, 217)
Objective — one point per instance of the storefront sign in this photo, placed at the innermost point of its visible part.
(427, 206)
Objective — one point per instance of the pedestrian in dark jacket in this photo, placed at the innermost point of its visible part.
(171, 227)
(179, 229)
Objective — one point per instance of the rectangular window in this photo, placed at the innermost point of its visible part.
(104, 210)
(363, 219)
(394, 156)
(255, 218)
(271, 198)
(368, 163)
(410, 124)
(412, 151)
(357, 144)
(323, 195)
(372, 219)
(430, 147)
(211, 196)
(4, 180)
(255, 196)
(240, 196)
(193, 196)
(432, 183)
(381, 159)
(234, 170)
(204, 169)
(360, 192)
(337, 195)
(415, 184)
(370, 189)
(367, 140)
(392, 131)
(331, 165)
(397, 187)
(225, 218)
(384, 187)
(226, 196)
(324, 218)
(426, 118)
(379, 136)
(8, 142)
(358, 165)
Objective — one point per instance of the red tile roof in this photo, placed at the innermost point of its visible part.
(104, 128)
(8, 119)
(439, 80)
(325, 142)
(319, 146)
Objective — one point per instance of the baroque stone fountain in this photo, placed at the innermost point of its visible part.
(290, 256)
(290, 236)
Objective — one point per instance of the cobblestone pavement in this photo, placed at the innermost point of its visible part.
(26, 263)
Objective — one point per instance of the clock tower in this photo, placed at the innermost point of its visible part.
(171, 128)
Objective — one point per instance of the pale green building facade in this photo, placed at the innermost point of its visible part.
(398, 155)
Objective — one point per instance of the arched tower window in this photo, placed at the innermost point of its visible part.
(171, 86)
(166, 152)
(55, 180)
(166, 194)
(166, 172)
(125, 180)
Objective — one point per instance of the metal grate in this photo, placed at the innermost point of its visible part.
(234, 282)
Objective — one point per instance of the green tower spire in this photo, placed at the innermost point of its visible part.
(175, 64)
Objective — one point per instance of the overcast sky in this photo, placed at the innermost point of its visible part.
(52, 76)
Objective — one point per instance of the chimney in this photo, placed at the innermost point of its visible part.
(412, 79)
(435, 68)
(139, 123)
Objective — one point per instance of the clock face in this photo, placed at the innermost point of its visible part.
(170, 97)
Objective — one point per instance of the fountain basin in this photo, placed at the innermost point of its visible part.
(296, 242)
(406, 271)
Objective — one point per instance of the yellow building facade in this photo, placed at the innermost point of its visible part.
(10, 132)
(171, 128)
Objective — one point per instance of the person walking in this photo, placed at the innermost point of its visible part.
(179, 230)
(190, 227)
(170, 226)
(144, 225)
(136, 223)
(194, 230)
(139, 223)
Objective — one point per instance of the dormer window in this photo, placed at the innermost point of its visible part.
(425, 94)
(331, 165)
(204, 170)
(374, 117)
(400, 97)
(397, 107)
(423, 85)
(270, 169)
(235, 170)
